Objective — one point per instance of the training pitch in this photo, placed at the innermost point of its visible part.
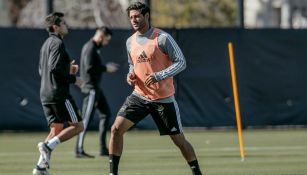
(267, 152)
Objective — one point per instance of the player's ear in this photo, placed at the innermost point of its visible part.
(55, 27)
(147, 16)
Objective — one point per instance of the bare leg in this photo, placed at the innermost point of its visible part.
(184, 146)
(187, 152)
(55, 129)
(120, 126)
(58, 134)
(72, 130)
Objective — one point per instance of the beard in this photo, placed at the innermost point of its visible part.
(140, 25)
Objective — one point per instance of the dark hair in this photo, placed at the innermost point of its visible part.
(53, 19)
(105, 30)
(139, 6)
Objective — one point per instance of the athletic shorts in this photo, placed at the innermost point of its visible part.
(165, 115)
(62, 112)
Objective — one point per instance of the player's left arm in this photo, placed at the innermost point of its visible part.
(168, 46)
(57, 64)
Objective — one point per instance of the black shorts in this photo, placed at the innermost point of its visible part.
(62, 112)
(165, 115)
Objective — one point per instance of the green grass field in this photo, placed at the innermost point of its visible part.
(268, 152)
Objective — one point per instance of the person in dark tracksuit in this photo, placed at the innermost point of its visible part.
(91, 69)
(57, 72)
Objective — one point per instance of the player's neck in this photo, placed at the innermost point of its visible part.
(144, 29)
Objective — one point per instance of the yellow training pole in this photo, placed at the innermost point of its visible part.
(236, 99)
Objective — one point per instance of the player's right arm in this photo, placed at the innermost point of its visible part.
(130, 76)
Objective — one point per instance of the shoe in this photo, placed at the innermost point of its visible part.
(40, 172)
(104, 152)
(84, 155)
(45, 152)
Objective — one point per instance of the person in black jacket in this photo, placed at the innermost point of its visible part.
(91, 69)
(57, 72)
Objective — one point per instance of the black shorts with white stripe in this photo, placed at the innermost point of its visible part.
(165, 115)
(65, 111)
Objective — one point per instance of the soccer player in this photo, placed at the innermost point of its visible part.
(57, 72)
(91, 69)
(154, 59)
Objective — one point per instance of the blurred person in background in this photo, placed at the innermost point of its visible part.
(91, 70)
(154, 58)
(57, 72)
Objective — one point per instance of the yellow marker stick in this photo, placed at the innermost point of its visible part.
(236, 99)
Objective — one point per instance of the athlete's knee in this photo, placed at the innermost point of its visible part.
(120, 126)
(79, 127)
(116, 130)
(55, 129)
(180, 141)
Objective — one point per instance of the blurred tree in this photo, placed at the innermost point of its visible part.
(92, 13)
(194, 13)
(15, 7)
(78, 13)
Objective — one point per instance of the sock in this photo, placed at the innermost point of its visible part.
(195, 167)
(40, 164)
(53, 142)
(41, 169)
(114, 161)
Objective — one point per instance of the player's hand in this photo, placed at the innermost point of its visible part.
(131, 79)
(78, 82)
(150, 80)
(73, 67)
(112, 67)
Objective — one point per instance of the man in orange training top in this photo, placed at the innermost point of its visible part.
(154, 59)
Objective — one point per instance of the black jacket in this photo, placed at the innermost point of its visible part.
(54, 69)
(91, 67)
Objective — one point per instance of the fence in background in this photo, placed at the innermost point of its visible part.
(270, 63)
